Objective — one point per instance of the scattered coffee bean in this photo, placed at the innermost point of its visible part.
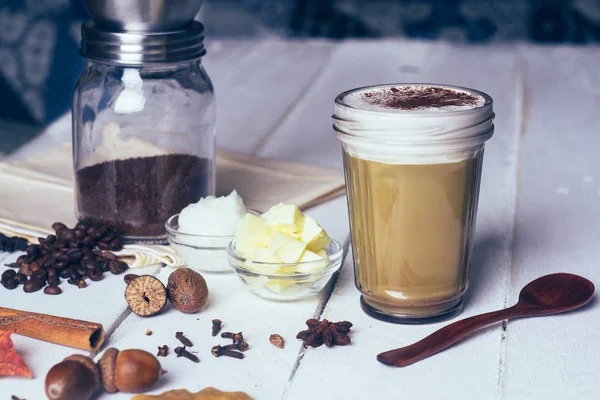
(52, 290)
(32, 285)
(53, 280)
(72, 281)
(95, 274)
(40, 274)
(9, 283)
(8, 274)
(81, 270)
(20, 278)
(66, 272)
(129, 277)
(58, 226)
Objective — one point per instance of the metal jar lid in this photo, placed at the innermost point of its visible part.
(137, 48)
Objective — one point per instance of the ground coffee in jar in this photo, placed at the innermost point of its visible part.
(136, 196)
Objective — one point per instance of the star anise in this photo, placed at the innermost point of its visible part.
(325, 332)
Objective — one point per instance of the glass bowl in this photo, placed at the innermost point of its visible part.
(286, 281)
(200, 252)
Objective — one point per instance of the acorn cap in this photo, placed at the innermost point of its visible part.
(89, 364)
(146, 295)
(107, 368)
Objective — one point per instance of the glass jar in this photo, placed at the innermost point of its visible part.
(143, 144)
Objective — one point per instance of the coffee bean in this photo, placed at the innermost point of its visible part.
(90, 264)
(98, 232)
(64, 234)
(29, 259)
(32, 285)
(103, 246)
(59, 265)
(8, 274)
(52, 290)
(40, 274)
(58, 226)
(59, 244)
(115, 245)
(51, 272)
(117, 267)
(74, 255)
(46, 261)
(63, 258)
(20, 278)
(50, 239)
(10, 283)
(80, 234)
(81, 270)
(88, 241)
(29, 269)
(66, 272)
(74, 274)
(80, 226)
(74, 244)
(129, 277)
(53, 280)
(32, 250)
(105, 266)
(95, 274)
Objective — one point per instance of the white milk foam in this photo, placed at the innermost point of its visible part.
(431, 135)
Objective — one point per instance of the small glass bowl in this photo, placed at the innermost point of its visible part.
(200, 252)
(285, 281)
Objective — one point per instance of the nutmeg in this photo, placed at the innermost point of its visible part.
(130, 371)
(146, 295)
(187, 290)
(75, 378)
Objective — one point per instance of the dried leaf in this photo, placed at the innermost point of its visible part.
(205, 394)
(11, 364)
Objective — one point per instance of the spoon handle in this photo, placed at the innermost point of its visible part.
(442, 338)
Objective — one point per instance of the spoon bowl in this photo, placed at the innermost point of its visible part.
(557, 293)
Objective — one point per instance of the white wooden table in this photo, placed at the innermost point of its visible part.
(538, 213)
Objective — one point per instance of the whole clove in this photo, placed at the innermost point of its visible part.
(216, 326)
(219, 351)
(163, 351)
(182, 352)
(241, 346)
(185, 341)
(237, 337)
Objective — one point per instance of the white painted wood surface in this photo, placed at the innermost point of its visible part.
(538, 213)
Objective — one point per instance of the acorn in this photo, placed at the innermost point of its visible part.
(129, 371)
(75, 378)
(187, 290)
(146, 295)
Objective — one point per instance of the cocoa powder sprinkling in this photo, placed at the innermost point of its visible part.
(418, 98)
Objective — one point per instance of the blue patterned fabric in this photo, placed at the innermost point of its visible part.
(39, 60)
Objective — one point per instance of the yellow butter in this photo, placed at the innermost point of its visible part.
(279, 285)
(285, 218)
(250, 233)
(313, 235)
(285, 248)
(311, 263)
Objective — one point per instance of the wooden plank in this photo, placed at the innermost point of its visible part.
(263, 88)
(471, 370)
(557, 224)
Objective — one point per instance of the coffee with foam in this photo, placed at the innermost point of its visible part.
(412, 158)
(413, 124)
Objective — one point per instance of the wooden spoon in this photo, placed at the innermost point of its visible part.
(550, 294)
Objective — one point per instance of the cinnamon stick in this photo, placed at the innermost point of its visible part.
(49, 328)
